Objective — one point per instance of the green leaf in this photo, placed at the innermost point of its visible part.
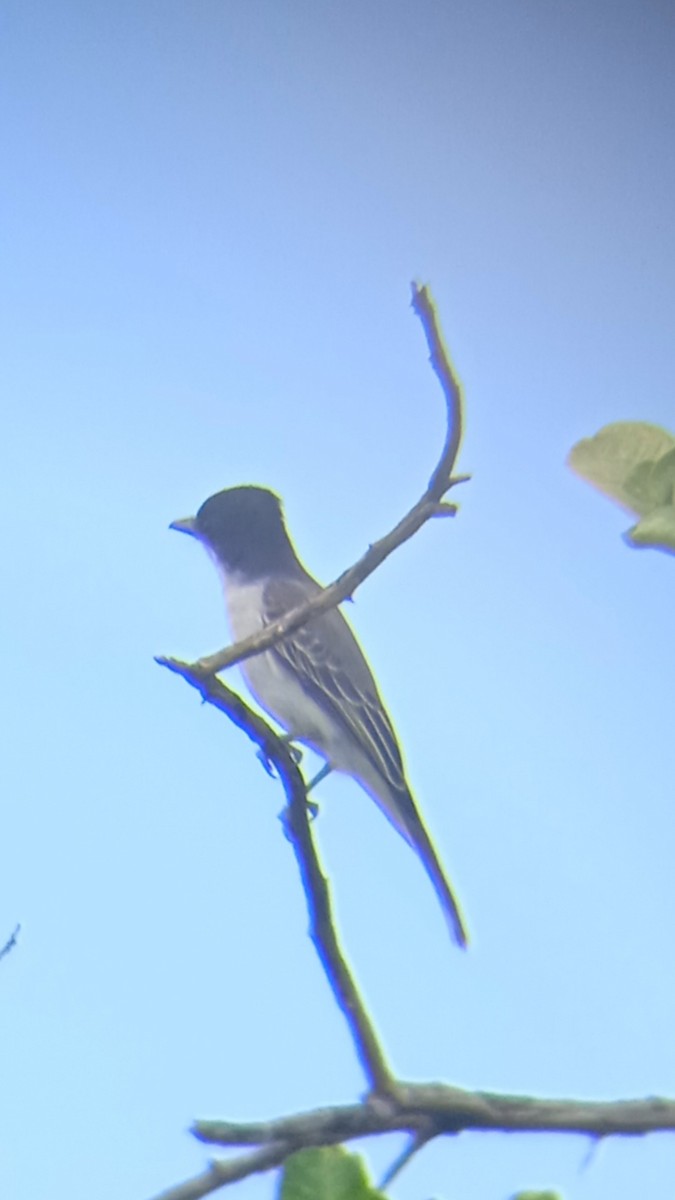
(326, 1173)
(656, 530)
(629, 461)
(653, 483)
(634, 463)
(537, 1196)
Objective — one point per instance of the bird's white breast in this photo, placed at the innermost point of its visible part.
(273, 684)
(243, 602)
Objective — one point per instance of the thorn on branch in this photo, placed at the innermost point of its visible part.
(455, 479)
(444, 509)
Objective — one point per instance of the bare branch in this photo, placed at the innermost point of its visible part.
(449, 381)
(423, 1111)
(449, 1110)
(429, 505)
(323, 935)
(322, 931)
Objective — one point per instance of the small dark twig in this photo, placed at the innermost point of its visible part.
(10, 943)
(417, 1142)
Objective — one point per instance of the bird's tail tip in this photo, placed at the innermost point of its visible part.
(458, 928)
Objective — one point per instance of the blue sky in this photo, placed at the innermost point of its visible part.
(210, 214)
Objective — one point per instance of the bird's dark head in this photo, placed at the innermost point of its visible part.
(244, 529)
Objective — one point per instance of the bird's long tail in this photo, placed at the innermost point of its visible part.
(404, 815)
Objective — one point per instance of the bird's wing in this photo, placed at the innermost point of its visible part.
(329, 664)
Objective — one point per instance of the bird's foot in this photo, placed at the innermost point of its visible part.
(295, 753)
(266, 762)
(325, 770)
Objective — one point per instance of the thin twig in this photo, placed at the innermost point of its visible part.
(276, 750)
(416, 1142)
(219, 1173)
(323, 935)
(10, 943)
(441, 362)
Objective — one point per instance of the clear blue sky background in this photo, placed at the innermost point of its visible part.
(210, 214)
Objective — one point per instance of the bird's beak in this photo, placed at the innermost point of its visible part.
(185, 525)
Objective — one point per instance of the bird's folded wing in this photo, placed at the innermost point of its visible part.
(330, 666)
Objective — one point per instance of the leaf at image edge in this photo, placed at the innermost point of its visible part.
(537, 1196)
(613, 461)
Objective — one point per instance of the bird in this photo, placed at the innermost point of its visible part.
(316, 683)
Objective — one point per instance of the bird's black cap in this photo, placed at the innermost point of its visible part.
(244, 528)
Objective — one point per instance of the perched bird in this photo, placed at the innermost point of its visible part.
(316, 682)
